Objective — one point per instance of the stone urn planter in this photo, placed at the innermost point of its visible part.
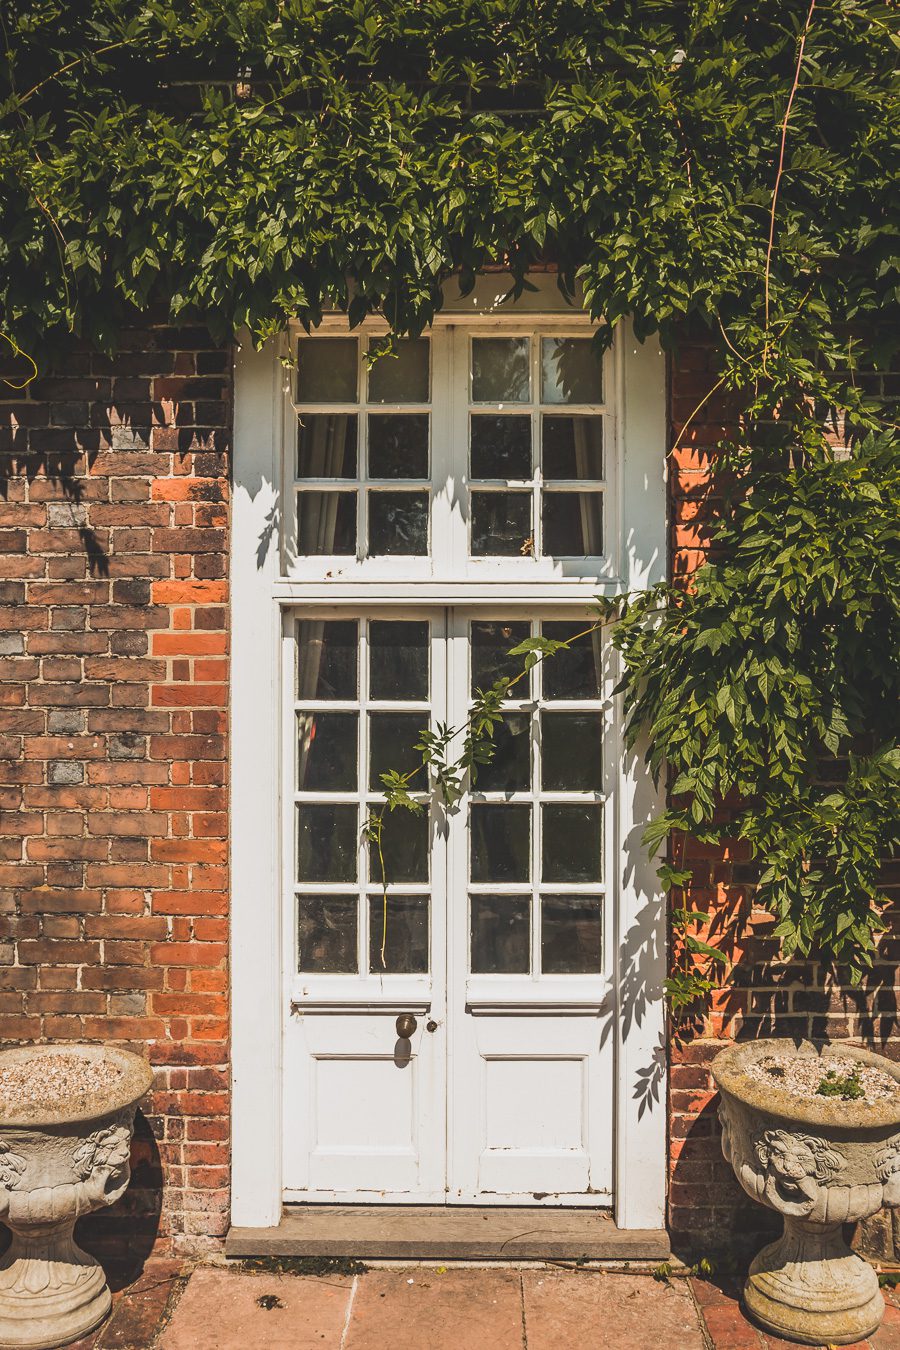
(66, 1119)
(821, 1161)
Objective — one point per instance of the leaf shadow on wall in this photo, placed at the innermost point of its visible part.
(62, 454)
(123, 1236)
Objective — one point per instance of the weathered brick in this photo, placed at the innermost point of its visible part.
(68, 721)
(65, 772)
(126, 745)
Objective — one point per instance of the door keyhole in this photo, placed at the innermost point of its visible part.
(431, 1025)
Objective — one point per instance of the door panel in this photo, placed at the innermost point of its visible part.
(365, 1110)
(537, 1128)
(493, 933)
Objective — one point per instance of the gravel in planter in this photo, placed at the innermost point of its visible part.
(51, 1083)
(802, 1076)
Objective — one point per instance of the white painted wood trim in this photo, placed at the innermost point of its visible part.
(640, 1111)
(464, 594)
(533, 1008)
(357, 1007)
(640, 941)
(255, 778)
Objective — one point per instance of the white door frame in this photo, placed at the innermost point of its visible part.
(258, 991)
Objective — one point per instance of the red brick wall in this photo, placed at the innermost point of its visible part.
(708, 1212)
(113, 741)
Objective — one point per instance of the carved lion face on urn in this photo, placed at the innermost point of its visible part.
(795, 1165)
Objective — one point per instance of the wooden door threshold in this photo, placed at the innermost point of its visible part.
(449, 1233)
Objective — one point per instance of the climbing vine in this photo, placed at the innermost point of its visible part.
(702, 167)
(769, 691)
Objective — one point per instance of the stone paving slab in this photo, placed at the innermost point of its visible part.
(436, 1307)
(588, 1309)
(222, 1310)
(440, 1309)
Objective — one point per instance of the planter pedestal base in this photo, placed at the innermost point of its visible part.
(51, 1292)
(809, 1287)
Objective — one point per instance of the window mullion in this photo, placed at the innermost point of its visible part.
(442, 439)
(456, 421)
(536, 822)
(363, 769)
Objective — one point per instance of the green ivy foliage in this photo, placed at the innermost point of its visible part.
(251, 160)
(772, 687)
(688, 163)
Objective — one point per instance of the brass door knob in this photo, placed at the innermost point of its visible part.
(406, 1025)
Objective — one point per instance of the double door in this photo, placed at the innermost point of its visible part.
(447, 994)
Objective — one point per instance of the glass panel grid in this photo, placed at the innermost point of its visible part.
(325, 867)
(576, 902)
(343, 507)
(565, 478)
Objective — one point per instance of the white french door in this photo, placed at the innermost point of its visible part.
(449, 1040)
(494, 468)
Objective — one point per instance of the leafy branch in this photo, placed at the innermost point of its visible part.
(769, 694)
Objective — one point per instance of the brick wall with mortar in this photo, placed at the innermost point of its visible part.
(113, 749)
(708, 1212)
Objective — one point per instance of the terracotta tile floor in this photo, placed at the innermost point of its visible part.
(434, 1308)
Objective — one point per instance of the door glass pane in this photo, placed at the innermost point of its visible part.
(326, 751)
(573, 672)
(401, 377)
(398, 445)
(491, 640)
(573, 524)
(327, 843)
(571, 752)
(326, 523)
(510, 768)
(500, 446)
(326, 445)
(571, 372)
(328, 370)
(501, 525)
(398, 659)
(404, 846)
(571, 842)
(500, 372)
(571, 934)
(500, 838)
(327, 658)
(398, 934)
(500, 934)
(392, 738)
(327, 933)
(572, 447)
(398, 523)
